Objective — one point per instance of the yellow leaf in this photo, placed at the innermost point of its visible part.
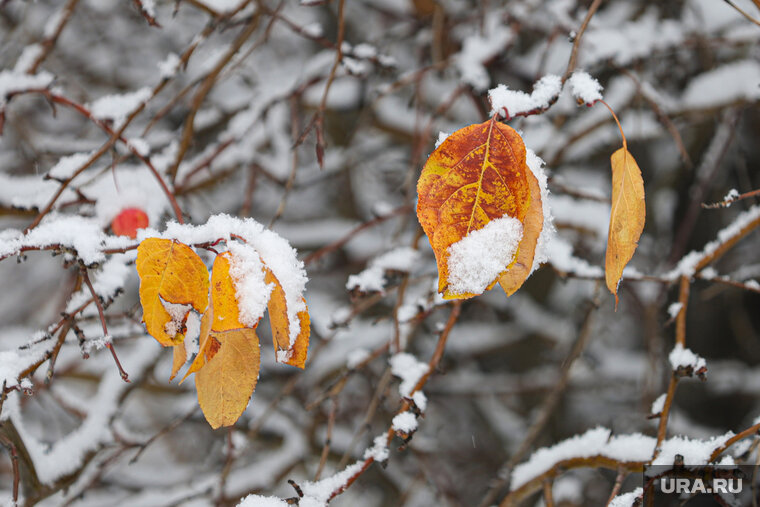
(223, 300)
(477, 175)
(171, 271)
(278, 318)
(204, 343)
(180, 357)
(227, 381)
(626, 218)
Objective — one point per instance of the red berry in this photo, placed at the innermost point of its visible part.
(128, 221)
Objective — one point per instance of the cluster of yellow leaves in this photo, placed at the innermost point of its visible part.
(227, 364)
(478, 174)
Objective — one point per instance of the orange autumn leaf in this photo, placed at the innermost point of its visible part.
(478, 175)
(626, 217)
(227, 381)
(520, 269)
(223, 300)
(169, 272)
(278, 318)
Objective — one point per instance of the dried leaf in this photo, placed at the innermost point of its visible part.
(171, 271)
(626, 218)
(227, 381)
(479, 174)
(180, 357)
(278, 318)
(223, 300)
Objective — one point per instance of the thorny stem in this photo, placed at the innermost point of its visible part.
(102, 314)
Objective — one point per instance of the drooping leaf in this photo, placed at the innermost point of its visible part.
(227, 381)
(477, 175)
(179, 359)
(169, 271)
(626, 218)
(278, 318)
(223, 300)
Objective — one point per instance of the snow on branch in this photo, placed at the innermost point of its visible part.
(511, 103)
(694, 261)
(373, 278)
(684, 360)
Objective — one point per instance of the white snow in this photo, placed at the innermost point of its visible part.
(726, 84)
(674, 309)
(318, 493)
(476, 260)
(106, 281)
(84, 235)
(372, 279)
(12, 81)
(405, 422)
(595, 442)
(356, 357)
(548, 232)
(66, 166)
(419, 399)
(478, 49)
(68, 453)
(510, 103)
(732, 195)
(379, 450)
(695, 452)
(688, 263)
(626, 499)
(262, 501)
(406, 367)
(441, 138)
(251, 291)
(118, 106)
(585, 88)
(658, 404)
(681, 357)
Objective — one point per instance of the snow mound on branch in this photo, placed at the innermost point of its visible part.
(510, 103)
(584, 87)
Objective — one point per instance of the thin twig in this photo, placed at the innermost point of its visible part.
(101, 313)
(577, 42)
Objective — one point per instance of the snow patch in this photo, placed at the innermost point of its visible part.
(476, 260)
